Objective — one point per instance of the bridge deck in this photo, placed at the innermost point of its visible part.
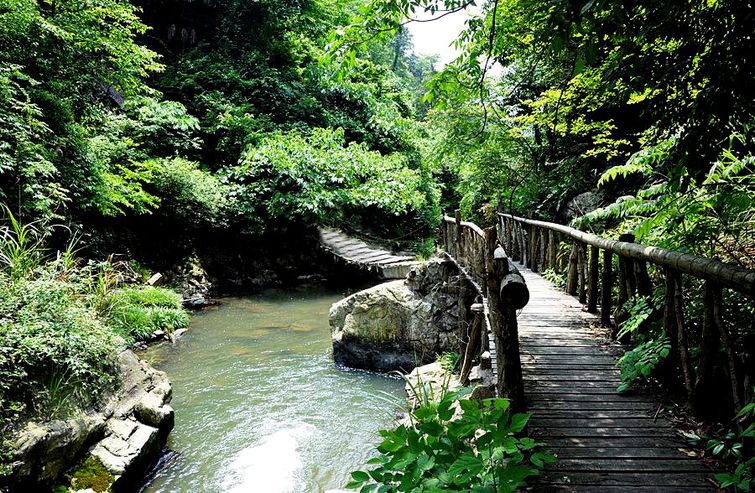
(605, 441)
(366, 256)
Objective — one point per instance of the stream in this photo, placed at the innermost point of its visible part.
(260, 407)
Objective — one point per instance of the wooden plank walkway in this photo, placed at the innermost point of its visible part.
(605, 441)
(369, 257)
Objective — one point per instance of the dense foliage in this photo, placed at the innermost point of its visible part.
(62, 324)
(454, 443)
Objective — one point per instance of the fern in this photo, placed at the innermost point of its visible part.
(640, 162)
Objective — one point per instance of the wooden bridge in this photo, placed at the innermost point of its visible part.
(366, 256)
(557, 357)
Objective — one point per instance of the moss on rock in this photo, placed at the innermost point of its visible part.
(92, 474)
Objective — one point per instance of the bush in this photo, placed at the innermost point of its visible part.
(60, 326)
(55, 353)
(187, 193)
(318, 178)
(137, 312)
(441, 449)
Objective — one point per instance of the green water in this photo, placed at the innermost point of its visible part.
(260, 406)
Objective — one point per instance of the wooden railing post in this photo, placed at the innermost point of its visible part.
(503, 320)
(728, 342)
(673, 324)
(533, 248)
(552, 260)
(582, 275)
(571, 271)
(457, 216)
(592, 287)
(473, 345)
(606, 289)
(543, 250)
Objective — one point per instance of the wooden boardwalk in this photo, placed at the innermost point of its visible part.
(605, 442)
(363, 255)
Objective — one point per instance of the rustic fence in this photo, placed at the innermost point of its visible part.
(499, 292)
(589, 270)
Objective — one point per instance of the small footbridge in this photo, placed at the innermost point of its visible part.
(367, 256)
(554, 350)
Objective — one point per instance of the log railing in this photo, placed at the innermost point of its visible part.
(589, 269)
(499, 292)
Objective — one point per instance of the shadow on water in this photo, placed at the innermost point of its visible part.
(260, 407)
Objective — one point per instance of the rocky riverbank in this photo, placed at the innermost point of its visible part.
(111, 448)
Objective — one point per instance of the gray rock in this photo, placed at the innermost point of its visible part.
(43, 451)
(429, 381)
(584, 203)
(400, 324)
(127, 435)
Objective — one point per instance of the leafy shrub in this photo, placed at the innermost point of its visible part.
(59, 336)
(187, 193)
(55, 352)
(640, 362)
(316, 177)
(147, 296)
(733, 446)
(440, 449)
(558, 279)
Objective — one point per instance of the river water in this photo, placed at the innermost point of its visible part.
(260, 406)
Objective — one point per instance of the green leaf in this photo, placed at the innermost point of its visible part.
(518, 422)
(360, 476)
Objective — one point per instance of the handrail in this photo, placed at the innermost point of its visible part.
(467, 224)
(482, 261)
(536, 244)
(734, 277)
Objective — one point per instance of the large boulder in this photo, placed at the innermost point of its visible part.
(125, 437)
(400, 324)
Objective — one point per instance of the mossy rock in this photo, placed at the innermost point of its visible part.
(92, 474)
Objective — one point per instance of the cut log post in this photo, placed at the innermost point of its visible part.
(606, 288)
(510, 383)
(533, 248)
(513, 291)
(571, 275)
(581, 261)
(731, 354)
(552, 257)
(472, 348)
(709, 344)
(592, 287)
